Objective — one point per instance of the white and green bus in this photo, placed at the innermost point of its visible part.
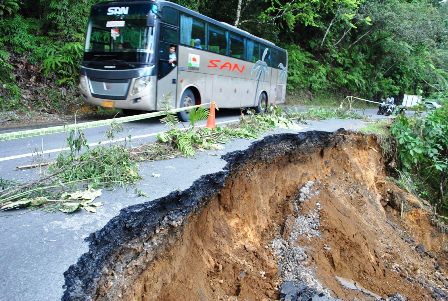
(128, 64)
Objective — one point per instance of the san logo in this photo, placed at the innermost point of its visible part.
(226, 65)
(117, 11)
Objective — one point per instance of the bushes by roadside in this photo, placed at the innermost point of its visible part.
(422, 145)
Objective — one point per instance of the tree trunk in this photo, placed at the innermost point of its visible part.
(238, 13)
(327, 31)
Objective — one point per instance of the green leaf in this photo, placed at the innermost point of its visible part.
(197, 114)
(17, 204)
(91, 209)
(87, 195)
(368, 20)
(70, 207)
(39, 201)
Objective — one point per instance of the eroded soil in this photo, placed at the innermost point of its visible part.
(294, 217)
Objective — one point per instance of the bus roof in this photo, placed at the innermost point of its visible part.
(198, 15)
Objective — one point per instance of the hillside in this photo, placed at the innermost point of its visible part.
(294, 217)
(360, 47)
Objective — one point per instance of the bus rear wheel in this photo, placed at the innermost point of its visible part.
(188, 99)
(262, 106)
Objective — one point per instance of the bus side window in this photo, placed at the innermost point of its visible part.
(217, 41)
(186, 26)
(275, 59)
(198, 34)
(192, 32)
(252, 51)
(267, 57)
(170, 16)
(166, 63)
(168, 38)
(169, 35)
(236, 46)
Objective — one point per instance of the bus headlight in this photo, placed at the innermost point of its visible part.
(140, 84)
(83, 83)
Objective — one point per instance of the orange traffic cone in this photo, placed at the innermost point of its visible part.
(211, 122)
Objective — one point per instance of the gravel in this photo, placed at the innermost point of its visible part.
(299, 281)
(306, 192)
(306, 225)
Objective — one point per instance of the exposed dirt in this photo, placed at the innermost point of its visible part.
(42, 102)
(293, 217)
(40, 93)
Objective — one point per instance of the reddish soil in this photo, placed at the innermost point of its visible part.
(224, 251)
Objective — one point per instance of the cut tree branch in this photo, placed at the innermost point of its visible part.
(328, 29)
(360, 38)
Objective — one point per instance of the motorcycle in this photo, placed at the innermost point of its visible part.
(386, 109)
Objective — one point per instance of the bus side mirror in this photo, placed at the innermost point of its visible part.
(150, 22)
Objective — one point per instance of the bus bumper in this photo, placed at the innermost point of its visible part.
(139, 96)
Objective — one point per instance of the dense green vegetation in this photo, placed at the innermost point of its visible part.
(422, 142)
(370, 48)
(417, 148)
(40, 51)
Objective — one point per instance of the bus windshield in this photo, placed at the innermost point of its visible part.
(130, 34)
(123, 33)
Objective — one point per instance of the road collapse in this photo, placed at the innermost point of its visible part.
(293, 217)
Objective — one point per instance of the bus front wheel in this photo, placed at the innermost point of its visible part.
(262, 103)
(188, 99)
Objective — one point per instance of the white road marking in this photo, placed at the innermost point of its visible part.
(57, 150)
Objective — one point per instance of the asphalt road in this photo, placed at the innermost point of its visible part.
(36, 247)
(22, 152)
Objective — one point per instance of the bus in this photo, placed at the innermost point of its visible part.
(147, 55)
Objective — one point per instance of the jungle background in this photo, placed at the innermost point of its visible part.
(367, 48)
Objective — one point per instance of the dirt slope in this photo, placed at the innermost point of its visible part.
(295, 217)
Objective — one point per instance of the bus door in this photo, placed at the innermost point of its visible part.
(167, 67)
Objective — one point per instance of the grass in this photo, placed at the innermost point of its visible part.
(75, 179)
(308, 99)
(154, 152)
(381, 129)
(378, 128)
(188, 141)
(322, 100)
(324, 113)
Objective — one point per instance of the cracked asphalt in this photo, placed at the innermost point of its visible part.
(37, 247)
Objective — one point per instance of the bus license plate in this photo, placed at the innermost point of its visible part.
(108, 104)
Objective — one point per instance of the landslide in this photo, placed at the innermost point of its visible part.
(294, 217)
